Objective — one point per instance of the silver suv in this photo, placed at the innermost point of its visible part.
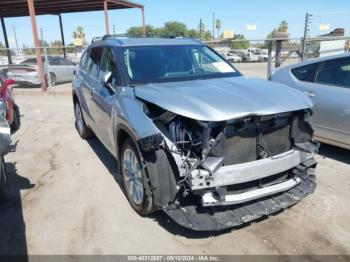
(193, 137)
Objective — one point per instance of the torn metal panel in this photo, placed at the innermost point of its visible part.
(240, 173)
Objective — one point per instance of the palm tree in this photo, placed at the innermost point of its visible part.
(218, 26)
(79, 33)
(283, 27)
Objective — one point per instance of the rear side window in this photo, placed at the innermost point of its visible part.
(93, 61)
(66, 62)
(335, 72)
(305, 73)
(54, 61)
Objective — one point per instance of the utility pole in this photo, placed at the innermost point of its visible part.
(46, 63)
(200, 29)
(306, 34)
(213, 29)
(15, 36)
(113, 29)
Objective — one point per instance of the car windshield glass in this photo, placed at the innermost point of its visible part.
(148, 64)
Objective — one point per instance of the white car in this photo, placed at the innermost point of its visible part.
(60, 70)
(233, 58)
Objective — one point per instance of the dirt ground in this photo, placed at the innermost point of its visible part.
(67, 199)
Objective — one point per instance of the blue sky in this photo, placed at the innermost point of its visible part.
(234, 14)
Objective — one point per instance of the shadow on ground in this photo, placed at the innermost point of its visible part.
(160, 217)
(12, 226)
(336, 153)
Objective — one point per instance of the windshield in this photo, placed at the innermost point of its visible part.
(148, 64)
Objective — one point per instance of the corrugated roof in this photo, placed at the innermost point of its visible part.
(15, 8)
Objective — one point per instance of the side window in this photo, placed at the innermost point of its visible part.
(335, 72)
(305, 73)
(66, 62)
(108, 64)
(94, 61)
(54, 61)
(83, 60)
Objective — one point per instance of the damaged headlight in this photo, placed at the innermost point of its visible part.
(150, 143)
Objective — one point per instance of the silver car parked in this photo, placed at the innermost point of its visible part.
(194, 138)
(327, 82)
(26, 73)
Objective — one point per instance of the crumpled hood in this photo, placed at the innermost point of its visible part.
(223, 98)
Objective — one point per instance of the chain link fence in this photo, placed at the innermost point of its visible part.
(257, 57)
(260, 57)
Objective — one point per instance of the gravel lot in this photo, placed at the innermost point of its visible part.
(67, 199)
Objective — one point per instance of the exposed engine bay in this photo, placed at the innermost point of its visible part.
(229, 164)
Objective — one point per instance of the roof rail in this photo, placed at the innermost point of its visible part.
(96, 38)
(105, 37)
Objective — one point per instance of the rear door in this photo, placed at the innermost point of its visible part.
(56, 68)
(331, 95)
(68, 68)
(104, 96)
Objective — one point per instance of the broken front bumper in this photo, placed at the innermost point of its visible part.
(230, 209)
(214, 218)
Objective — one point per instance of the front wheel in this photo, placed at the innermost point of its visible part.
(53, 79)
(83, 130)
(135, 181)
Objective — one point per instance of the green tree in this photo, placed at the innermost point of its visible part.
(27, 50)
(239, 42)
(193, 33)
(280, 32)
(175, 29)
(3, 52)
(283, 27)
(218, 26)
(137, 31)
(55, 47)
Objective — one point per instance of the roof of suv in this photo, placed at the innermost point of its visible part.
(150, 41)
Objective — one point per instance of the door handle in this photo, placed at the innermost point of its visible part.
(310, 94)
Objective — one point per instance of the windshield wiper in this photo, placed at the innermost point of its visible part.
(195, 70)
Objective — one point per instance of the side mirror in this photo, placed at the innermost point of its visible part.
(106, 78)
(9, 82)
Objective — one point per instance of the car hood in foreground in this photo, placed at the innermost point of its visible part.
(222, 99)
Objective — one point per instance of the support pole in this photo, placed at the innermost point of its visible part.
(39, 61)
(143, 22)
(6, 41)
(269, 59)
(62, 37)
(105, 8)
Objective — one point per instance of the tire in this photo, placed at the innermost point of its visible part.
(53, 79)
(136, 183)
(83, 130)
(16, 124)
(4, 190)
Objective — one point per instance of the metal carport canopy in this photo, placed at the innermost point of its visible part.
(17, 8)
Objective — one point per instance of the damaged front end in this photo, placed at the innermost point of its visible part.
(216, 175)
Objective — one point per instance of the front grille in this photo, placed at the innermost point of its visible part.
(250, 143)
(277, 140)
